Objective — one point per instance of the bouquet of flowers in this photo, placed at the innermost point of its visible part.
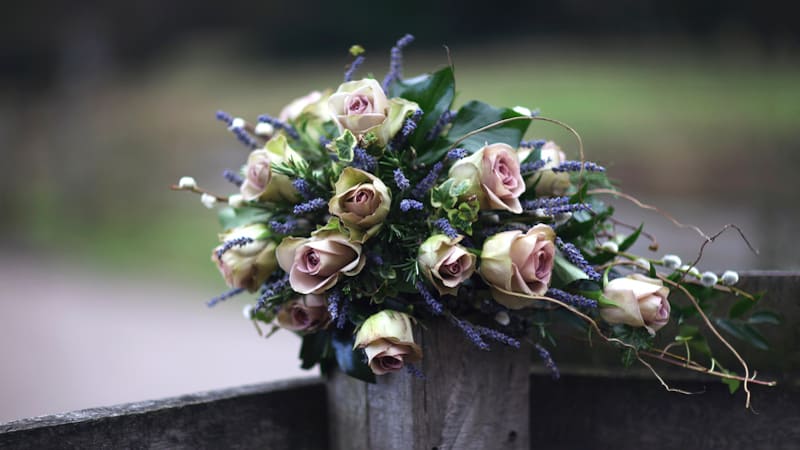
(364, 211)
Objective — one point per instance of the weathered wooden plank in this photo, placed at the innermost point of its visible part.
(287, 414)
(620, 414)
(468, 399)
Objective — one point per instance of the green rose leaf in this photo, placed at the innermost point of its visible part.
(434, 94)
(566, 272)
(476, 115)
(313, 349)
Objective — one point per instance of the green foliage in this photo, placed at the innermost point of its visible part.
(566, 272)
(475, 115)
(344, 145)
(743, 331)
(434, 94)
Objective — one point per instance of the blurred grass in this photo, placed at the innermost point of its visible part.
(678, 116)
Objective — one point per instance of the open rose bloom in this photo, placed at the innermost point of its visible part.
(518, 265)
(388, 341)
(374, 205)
(642, 302)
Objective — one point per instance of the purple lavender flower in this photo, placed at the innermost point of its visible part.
(571, 299)
(497, 336)
(222, 116)
(456, 153)
(545, 203)
(396, 63)
(409, 126)
(287, 227)
(407, 205)
(348, 76)
(236, 242)
(548, 361)
(344, 305)
(310, 206)
(535, 144)
(303, 188)
(471, 333)
(270, 290)
(574, 256)
(442, 122)
(279, 124)
(363, 160)
(433, 304)
(222, 297)
(245, 138)
(575, 166)
(532, 166)
(233, 177)
(447, 228)
(337, 307)
(427, 183)
(414, 370)
(400, 180)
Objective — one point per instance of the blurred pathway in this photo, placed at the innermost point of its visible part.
(73, 339)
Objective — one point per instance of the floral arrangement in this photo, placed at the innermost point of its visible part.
(365, 211)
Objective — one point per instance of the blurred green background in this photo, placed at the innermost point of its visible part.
(694, 108)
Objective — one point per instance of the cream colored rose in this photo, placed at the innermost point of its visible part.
(548, 183)
(445, 264)
(260, 182)
(362, 201)
(315, 264)
(517, 265)
(314, 102)
(247, 266)
(387, 338)
(308, 313)
(495, 168)
(642, 302)
(362, 107)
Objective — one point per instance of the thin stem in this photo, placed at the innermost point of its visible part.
(198, 190)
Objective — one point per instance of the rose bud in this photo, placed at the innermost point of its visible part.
(362, 107)
(246, 266)
(495, 168)
(547, 182)
(517, 266)
(362, 202)
(642, 302)
(445, 264)
(388, 340)
(307, 314)
(315, 264)
(260, 182)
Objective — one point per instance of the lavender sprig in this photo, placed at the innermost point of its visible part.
(545, 203)
(575, 166)
(571, 299)
(337, 307)
(442, 122)
(270, 290)
(409, 126)
(310, 206)
(287, 227)
(407, 205)
(303, 188)
(447, 228)
(344, 306)
(433, 304)
(400, 180)
(363, 160)
(427, 183)
(222, 297)
(236, 242)
(497, 336)
(535, 144)
(348, 76)
(456, 153)
(574, 256)
(532, 166)
(396, 62)
(279, 124)
(548, 361)
(233, 177)
(471, 333)
(245, 138)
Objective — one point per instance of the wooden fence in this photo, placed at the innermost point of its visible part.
(587, 408)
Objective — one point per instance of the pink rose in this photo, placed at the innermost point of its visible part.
(362, 202)
(642, 302)
(388, 340)
(445, 264)
(246, 266)
(316, 263)
(495, 168)
(260, 183)
(307, 102)
(308, 314)
(359, 106)
(517, 266)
